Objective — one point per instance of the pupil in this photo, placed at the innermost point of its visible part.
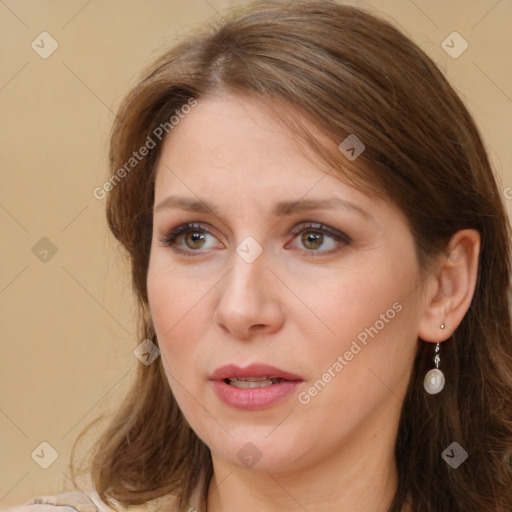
(195, 237)
(314, 239)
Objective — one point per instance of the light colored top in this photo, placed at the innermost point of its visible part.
(89, 501)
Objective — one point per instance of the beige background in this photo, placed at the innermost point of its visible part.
(66, 324)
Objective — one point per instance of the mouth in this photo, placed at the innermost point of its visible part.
(255, 375)
(256, 386)
(253, 382)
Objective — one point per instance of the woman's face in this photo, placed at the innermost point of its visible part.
(295, 270)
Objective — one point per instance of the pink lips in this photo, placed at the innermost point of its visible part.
(253, 398)
(253, 370)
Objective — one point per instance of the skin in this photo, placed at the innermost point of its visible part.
(298, 306)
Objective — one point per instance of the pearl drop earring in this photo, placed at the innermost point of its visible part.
(434, 379)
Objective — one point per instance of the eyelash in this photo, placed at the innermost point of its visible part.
(169, 239)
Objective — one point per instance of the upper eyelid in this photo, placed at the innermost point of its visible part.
(319, 226)
(301, 226)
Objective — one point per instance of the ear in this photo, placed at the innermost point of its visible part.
(450, 288)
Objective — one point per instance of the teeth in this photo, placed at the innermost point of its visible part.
(252, 382)
(247, 384)
(250, 379)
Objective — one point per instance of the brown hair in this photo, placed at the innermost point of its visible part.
(350, 73)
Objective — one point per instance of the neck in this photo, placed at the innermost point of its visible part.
(356, 480)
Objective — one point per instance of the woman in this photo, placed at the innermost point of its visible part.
(322, 258)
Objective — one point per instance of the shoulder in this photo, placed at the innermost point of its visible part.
(63, 502)
(89, 501)
(82, 502)
(77, 501)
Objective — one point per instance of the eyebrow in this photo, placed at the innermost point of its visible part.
(281, 209)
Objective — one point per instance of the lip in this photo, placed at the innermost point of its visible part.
(256, 370)
(253, 398)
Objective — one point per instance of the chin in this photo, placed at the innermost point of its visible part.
(255, 449)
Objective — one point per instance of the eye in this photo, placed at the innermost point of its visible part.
(193, 236)
(314, 237)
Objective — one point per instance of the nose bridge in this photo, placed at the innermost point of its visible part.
(245, 298)
(248, 268)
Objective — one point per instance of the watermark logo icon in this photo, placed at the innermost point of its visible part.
(454, 45)
(146, 352)
(351, 147)
(249, 249)
(249, 455)
(454, 455)
(44, 250)
(44, 455)
(44, 45)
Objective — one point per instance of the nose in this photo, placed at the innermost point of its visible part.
(249, 299)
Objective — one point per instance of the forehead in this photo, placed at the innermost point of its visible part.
(231, 141)
(238, 151)
(230, 131)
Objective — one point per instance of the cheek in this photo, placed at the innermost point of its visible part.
(173, 293)
(369, 317)
(175, 320)
(355, 299)
(174, 305)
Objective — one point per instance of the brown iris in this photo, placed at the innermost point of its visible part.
(313, 238)
(195, 237)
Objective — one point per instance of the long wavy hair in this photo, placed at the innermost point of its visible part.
(343, 71)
